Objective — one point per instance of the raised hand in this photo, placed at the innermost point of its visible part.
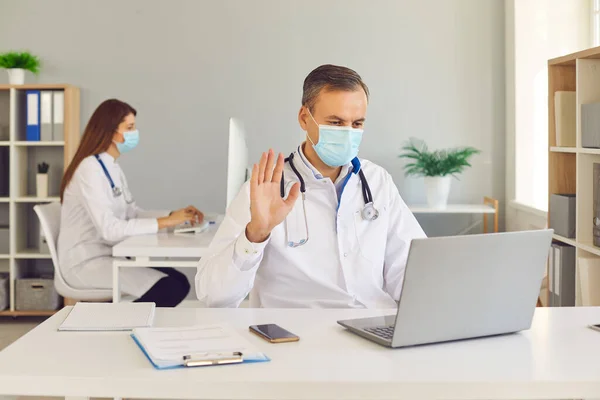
(267, 208)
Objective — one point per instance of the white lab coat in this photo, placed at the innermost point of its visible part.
(347, 261)
(93, 221)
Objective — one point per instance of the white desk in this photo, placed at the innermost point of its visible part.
(177, 250)
(453, 209)
(557, 359)
(489, 206)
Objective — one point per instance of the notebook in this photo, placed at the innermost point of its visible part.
(170, 347)
(109, 317)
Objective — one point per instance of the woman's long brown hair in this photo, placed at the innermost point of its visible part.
(98, 135)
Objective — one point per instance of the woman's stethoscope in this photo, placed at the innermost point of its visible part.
(117, 191)
(369, 212)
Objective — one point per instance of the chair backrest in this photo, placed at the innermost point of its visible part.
(49, 216)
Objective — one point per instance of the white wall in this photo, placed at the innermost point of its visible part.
(435, 69)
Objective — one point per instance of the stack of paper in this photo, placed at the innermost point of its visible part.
(167, 347)
(565, 118)
(109, 317)
(589, 281)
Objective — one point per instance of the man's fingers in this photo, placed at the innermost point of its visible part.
(261, 168)
(293, 196)
(269, 167)
(254, 179)
(278, 172)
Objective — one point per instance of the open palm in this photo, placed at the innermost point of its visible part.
(267, 208)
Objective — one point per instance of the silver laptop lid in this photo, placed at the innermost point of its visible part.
(469, 286)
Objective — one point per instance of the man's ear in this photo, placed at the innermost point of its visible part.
(303, 118)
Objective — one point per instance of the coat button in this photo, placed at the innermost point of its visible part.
(345, 254)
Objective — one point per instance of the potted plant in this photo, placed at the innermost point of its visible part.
(16, 63)
(42, 180)
(437, 167)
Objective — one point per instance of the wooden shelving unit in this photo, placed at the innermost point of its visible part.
(570, 169)
(20, 199)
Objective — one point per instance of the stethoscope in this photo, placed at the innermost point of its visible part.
(368, 213)
(117, 191)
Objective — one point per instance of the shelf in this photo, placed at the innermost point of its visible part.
(40, 86)
(4, 143)
(564, 240)
(32, 254)
(590, 248)
(555, 149)
(25, 143)
(44, 313)
(4, 256)
(4, 199)
(589, 151)
(33, 199)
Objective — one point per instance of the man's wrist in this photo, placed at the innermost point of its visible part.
(254, 235)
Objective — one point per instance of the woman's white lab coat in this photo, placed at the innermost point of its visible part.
(93, 220)
(347, 261)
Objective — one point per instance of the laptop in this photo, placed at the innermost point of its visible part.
(463, 287)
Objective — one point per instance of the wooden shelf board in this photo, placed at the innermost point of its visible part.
(33, 199)
(556, 149)
(590, 248)
(4, 143)
(24, 143)
(589, 151)
(4, 256)
(44, 313)
(564, 240)
(4, 199)
(594, 52)
(33, 254)
(40, 86)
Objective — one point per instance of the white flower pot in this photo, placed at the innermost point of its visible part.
(16, 76)
(438, 189)
(41, 181)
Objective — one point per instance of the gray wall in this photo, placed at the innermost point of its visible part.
(435, 69)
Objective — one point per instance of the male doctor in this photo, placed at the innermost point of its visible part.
(322, 228)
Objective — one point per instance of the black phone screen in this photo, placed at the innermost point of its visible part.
(273, 331)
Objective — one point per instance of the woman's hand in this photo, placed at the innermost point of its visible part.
(189, 214)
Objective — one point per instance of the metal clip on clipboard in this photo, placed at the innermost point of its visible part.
(208, 359)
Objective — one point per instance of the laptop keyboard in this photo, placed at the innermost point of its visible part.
(385, 332)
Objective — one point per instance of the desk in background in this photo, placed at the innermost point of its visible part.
(176, 250)
(489, 206)
(556, 359)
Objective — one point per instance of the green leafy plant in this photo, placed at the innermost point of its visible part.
(424, 162)
(24, 60)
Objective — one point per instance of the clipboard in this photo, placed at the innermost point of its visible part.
(203, 358)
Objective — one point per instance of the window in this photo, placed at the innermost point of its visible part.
(595, 22)
(543, 29)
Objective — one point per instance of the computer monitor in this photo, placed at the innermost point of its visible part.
(237, 159)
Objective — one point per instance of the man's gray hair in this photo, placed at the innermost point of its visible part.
(330, 77)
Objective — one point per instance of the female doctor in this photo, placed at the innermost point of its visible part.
(98, 211)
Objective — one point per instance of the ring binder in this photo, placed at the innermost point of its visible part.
(206, 359)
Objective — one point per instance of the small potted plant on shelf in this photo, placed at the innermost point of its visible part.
(16, 63)
(437, 167)
(42, 180)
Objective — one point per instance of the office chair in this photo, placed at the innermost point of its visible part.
(49, 216)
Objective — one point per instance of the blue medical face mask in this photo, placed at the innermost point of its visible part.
(338, 145)
(132, 138)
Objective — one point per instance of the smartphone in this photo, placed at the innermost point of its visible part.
(595, 327)
(273, 333)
